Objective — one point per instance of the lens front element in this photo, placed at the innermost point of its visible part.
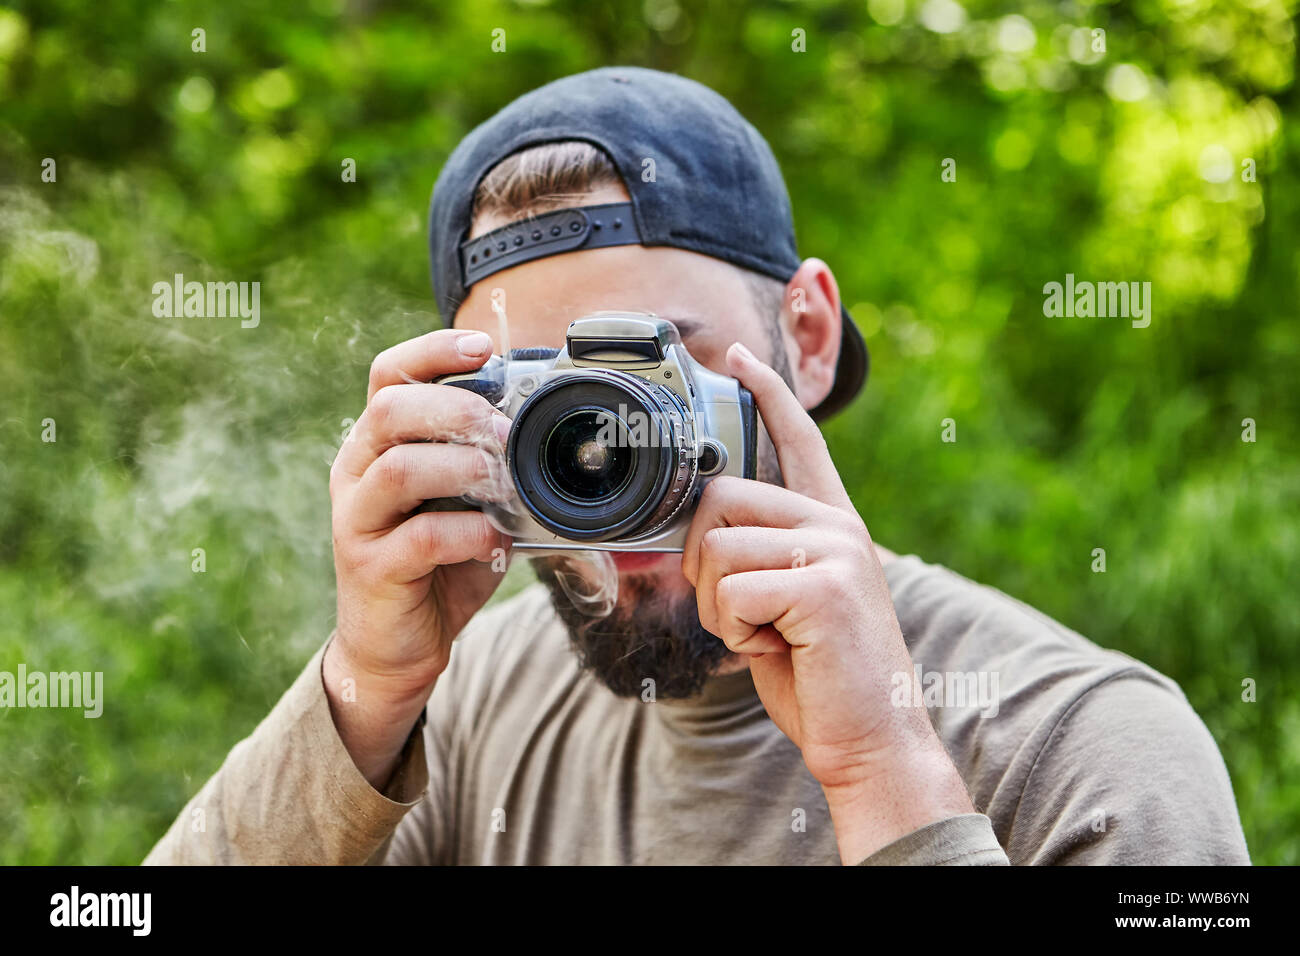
(582, 459)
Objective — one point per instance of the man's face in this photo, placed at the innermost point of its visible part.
(653, 630)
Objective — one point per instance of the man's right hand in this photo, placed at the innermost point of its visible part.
(409, 580)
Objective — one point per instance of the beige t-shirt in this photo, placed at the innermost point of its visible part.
(1071, 753)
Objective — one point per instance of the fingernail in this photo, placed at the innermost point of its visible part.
(502, 426)
(743, 352)
(473, 344)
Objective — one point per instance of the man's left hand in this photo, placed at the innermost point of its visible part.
(789, 577)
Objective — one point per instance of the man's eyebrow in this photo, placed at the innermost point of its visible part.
(686, 326)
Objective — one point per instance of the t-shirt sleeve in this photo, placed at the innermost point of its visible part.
(289, 793)
(963, 840)
(1129, 775)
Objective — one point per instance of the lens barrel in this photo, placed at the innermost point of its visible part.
(601, 455)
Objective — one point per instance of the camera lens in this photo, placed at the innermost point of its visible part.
(583, 460)
(599, 455)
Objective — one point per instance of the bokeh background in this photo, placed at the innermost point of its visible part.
(1073, 434)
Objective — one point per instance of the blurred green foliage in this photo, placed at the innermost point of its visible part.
(1073, 434)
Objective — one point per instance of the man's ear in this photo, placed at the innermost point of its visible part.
(810, 316)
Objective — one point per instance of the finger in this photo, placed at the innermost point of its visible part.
(407, 413)
(749, 606)
(806, 464)
(724, 551)
(728, 501)
(432, 539)
(406, 475)
(754, 641)
(425, 357)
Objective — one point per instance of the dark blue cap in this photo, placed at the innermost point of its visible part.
(716, 189)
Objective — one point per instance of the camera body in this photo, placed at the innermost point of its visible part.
(614, 436)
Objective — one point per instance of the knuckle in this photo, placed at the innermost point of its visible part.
(427, 537)
(393, 468)
(717, 491)
(385, 407)
(478, 470)
(738, 636)
(730, 628)
(725, 596)
(348, 558)
(464, 412)
(713, 544)
(726, 484)
(483, 535)
(379, 370)
(467, 419)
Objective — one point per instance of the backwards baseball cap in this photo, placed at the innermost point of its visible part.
(716, 190)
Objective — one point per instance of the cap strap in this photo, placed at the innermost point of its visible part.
(562, 230)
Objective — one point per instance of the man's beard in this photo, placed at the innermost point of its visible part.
(646, 635)
(629, 629)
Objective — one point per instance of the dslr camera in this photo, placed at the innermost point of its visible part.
(614, 436)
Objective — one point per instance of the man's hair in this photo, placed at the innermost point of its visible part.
(553, 175)
(541, 178)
